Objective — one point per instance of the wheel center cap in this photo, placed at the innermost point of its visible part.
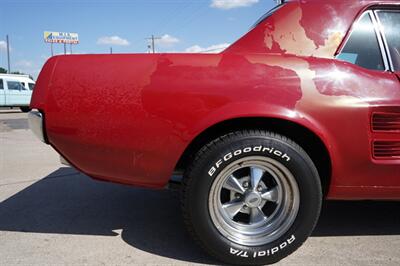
(252, 199)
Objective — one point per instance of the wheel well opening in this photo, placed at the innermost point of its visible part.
(308, 140)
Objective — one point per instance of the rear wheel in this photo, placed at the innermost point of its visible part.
(25, 109)
(251, 197)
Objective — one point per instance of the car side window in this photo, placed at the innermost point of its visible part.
(15, 86)
(31, 86)
(390, 21)
(362, 47)
(1, 84)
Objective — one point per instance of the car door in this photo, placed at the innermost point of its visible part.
(389, 20)
(2, 94)
(367, 48)
(16, 93)
(388, 117)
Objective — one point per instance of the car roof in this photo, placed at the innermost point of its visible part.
(295, 29)
(19, 77)
(352, 2)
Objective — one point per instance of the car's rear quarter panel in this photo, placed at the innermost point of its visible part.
(128, 118)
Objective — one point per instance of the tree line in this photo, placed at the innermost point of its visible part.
(4, 71)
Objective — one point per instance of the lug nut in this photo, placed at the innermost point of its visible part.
(259, 189)
(245, 184)
(237, 195)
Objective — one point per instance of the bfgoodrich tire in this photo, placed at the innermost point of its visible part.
(251, 197)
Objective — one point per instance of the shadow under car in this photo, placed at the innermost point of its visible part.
(67, 202)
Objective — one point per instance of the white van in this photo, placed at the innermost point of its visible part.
(16, 91)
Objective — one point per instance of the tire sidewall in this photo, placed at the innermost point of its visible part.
(299, 164)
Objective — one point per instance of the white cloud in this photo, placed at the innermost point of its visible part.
(167, 41)
(113, 40)
(24, 64)
(3, 46)
(229, 4)
(210, 49)
(27, 67)
(45, 57)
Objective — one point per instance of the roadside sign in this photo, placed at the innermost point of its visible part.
(61, 37)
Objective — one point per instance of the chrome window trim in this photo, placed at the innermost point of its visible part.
(382, 32)
(267, 15)
(378, 36)
(380, 40)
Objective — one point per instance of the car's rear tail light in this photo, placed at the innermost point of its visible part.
(387, 150)
(388, 122)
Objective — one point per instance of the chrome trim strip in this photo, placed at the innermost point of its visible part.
(35, 119)
(382, 41)
(382, 32)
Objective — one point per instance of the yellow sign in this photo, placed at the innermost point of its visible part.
(61, 37)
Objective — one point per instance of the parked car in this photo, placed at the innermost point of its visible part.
(305, 107)
(16, 91)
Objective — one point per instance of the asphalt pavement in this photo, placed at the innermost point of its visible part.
(53, 215)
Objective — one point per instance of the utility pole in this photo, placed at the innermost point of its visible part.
(8, 54)
(111, 50)
(153, 42)
(65, 48)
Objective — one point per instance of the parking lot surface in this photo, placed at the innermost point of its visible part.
(53, 215)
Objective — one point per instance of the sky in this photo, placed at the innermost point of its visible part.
(182, 25)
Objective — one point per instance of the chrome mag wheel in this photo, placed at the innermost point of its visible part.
(254, 201)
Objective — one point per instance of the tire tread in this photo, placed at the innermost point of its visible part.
(206, 149)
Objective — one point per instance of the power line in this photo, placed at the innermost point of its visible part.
(174, 16)
(153, 42)
(192, 16)
(169, 18)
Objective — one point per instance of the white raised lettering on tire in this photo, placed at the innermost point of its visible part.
(235, 153)
(262, 253)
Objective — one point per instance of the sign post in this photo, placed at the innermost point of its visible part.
(8, 54)
(61, 37)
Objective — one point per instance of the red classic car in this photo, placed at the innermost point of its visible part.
(304, 107)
